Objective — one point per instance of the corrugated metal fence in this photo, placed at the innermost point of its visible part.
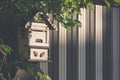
(90, 52)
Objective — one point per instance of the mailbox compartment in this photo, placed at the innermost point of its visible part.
(39, 35)
(39, 38)
(38, 54)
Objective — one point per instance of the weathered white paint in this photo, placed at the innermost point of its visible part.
(98, 38)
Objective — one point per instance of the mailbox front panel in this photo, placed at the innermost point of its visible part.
(39, 42)
(38, 54)
(38, 38)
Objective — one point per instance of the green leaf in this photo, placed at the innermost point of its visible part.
(89, 4)
(38, 74)
(77, 23)
(107, 3)
(116, 2)
(8, 47)
(74, 4)
(46, 76)
(84, 1)
(5, 48)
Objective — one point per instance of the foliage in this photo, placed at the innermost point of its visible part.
(47, 77)
(5, 48)
(32, 68)
(38, 75)
(107, 3)
(62, 10)
(8, 66)
(117, 2)
(4, 51)
(113, 3)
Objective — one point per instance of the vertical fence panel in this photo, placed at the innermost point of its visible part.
(90, 46)
(53, 67)
(62, 53)
(69, 55)
(115, 26)
(75, 51)
(92, 49)
(98, 37)
(81, 46)
(107, 45)
(87, 48)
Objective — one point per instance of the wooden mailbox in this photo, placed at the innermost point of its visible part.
(39, 41)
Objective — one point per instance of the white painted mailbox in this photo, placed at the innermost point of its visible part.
(39, 41)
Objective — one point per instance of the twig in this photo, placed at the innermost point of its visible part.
(9, 76)
(3, 60)
(1, 41)
(4, 54)
(2, 64)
